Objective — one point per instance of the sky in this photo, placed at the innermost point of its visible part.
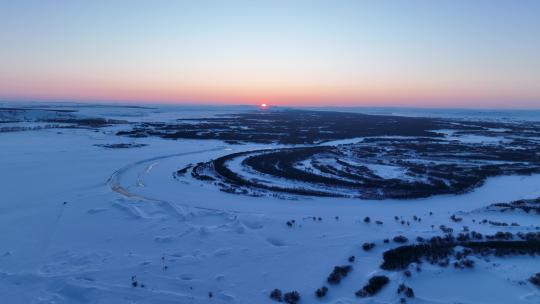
(446, 53)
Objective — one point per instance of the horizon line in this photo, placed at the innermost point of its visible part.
(255, 104)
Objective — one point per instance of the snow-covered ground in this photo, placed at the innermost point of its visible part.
(83, 224)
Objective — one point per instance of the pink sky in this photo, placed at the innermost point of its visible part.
(477, 54)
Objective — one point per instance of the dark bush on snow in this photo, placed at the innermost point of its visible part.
(351, 259)
(466, 263)
(134, 281)
(402, 257)
(374, 285)
(476, 235)
(500, 236)
(400, 239)
(338, 273)
(438, 249)
(529, 236)
(455, 218)
(446, 229)
(321, 292)
(368, 246)
(535, 280)
(367, 219)
(276, 295)
(405, 290)
(291, 297)
(494, 223)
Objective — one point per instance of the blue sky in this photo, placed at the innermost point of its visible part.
(419, 53)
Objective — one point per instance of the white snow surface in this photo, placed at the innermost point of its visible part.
(80, 223)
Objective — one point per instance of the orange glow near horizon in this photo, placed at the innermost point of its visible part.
(288, 96)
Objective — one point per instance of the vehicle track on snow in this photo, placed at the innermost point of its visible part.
(114, 180)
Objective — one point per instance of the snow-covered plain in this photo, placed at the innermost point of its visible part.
(83, 224)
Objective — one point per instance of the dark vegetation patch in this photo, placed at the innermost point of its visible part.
(338, 273)
(526, 205)
(535, 280)
(307, 127)
(405, 290)
(439, 249)
(428, 168)
(290, 127)
(121, 145)
(368, 246)
(183, 171)
(374, 285)
(429, 163)
(276, 295)
(321, 292)
(86, 122)
(291, 297)
(237, 184)
(400, 239)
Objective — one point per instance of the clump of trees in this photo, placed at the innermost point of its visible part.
(321, 292)
(184, 170)
(405, 290)
(438, 249)
(134, 281)
(401, 257)
(535, 280)
(525, 205)
(529, 236)
(456, 219)
(368, 246)
(445, 229)
(374, 285)
(501, 236)
(338, 274)
(276, 295)
(400, 239)
(291, 297)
